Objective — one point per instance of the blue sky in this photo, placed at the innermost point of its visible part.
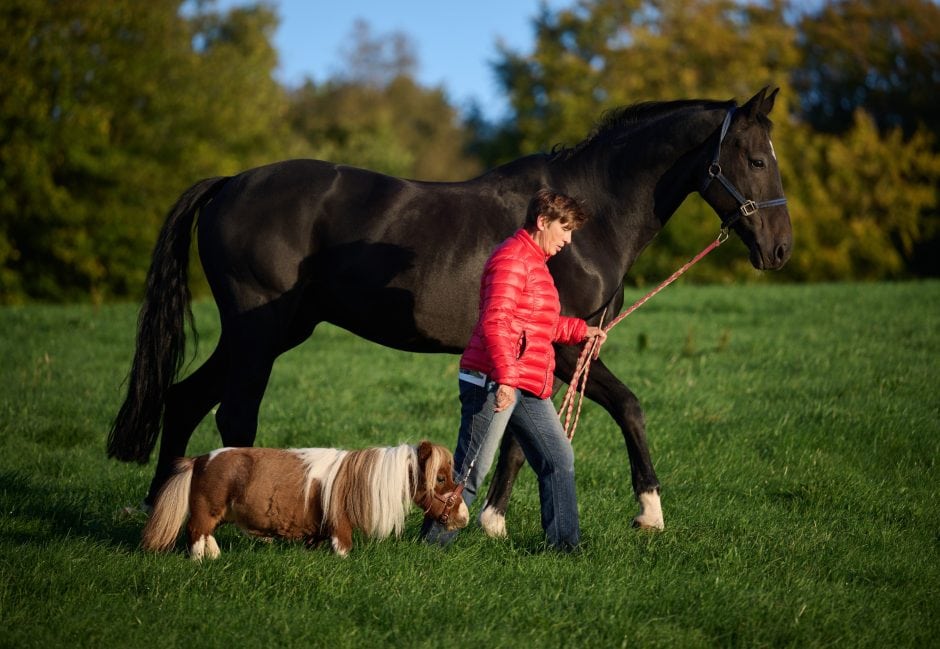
(455, 42)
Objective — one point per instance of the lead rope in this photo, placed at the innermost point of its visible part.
(590, 351)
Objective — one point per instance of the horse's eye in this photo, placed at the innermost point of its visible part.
(757, 163)
(440, 479)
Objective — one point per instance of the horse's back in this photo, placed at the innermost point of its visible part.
(381, 256)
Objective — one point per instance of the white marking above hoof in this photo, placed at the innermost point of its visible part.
(651, 512)
(338, 548)
(493, 523)
(212, 548)
(198, 549)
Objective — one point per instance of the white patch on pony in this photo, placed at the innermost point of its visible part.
(321, 465)
(198, 549)
(212, 548)
(337, 548)
(493, 523)
(388, 472)
(216, 452)
(772, 152)
(651, 512)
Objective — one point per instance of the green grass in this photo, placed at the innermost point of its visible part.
(795, 429)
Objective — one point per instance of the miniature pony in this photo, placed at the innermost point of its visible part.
(313, 494)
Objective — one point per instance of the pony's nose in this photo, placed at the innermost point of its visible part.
(782, 253)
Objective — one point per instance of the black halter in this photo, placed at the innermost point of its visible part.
(746, 207)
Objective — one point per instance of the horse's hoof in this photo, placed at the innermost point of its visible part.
(651, 512)
(643, 523)
(493, 522)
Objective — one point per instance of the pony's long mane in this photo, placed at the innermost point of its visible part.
(373, 487)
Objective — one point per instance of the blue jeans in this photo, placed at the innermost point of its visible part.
(546, 448)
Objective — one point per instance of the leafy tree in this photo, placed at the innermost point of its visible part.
(109, 110)
(879, 55)
(863, 195)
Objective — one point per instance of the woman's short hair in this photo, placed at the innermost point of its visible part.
(555, 206)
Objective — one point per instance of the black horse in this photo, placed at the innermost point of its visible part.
(292, 244)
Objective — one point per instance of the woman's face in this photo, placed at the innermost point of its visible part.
(552, 236)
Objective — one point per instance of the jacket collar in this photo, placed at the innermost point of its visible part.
(523, 235)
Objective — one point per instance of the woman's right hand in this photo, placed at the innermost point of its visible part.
(505, 397)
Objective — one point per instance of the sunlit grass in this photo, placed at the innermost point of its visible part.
(794, 428)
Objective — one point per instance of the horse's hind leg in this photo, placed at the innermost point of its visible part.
(253, 340)
(187, 402)
(511, 459)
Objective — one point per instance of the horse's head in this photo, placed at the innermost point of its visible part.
(435, 490)
(743, 184)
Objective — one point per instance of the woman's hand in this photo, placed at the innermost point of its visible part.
(505, 397)
(598, 334)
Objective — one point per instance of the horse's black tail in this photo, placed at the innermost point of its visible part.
(161, 334)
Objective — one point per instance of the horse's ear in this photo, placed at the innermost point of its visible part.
(756, 104)
(768, 104)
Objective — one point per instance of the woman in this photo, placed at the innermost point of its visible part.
(506, 371)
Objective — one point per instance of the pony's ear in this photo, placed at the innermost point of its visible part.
(424, 451)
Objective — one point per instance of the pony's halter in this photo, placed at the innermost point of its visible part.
(438, 506)
(746, 206)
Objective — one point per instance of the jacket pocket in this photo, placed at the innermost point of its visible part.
(520, 345)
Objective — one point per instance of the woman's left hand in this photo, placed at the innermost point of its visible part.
(598, 334)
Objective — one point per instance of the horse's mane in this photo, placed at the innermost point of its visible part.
(618, 122)
(372, 486)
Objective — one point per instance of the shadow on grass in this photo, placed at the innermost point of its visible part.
(35, 513)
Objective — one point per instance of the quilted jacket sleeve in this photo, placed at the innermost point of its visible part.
(570, 331)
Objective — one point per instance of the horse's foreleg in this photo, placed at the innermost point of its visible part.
(616, 398)
(511, 459)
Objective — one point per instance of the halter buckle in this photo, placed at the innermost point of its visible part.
(748, 207)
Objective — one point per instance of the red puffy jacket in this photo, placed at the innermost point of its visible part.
(519, 319)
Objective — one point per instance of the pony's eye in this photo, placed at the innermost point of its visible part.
(757, 163)
(440, 479)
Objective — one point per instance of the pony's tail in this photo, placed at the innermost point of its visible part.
(161, 334)
(170, 510)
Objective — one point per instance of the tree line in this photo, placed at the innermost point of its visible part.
(108, 110)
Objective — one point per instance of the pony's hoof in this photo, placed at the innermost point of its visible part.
(493, 523)
(338, 548)
(651, 512)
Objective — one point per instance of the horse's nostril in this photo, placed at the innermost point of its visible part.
(780, 253)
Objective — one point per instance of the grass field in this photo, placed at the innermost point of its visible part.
(795, 429)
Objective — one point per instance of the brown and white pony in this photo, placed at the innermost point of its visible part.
(306, 493)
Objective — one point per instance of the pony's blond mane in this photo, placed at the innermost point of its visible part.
(373, 486)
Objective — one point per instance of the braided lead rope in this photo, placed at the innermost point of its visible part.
(583, 366)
